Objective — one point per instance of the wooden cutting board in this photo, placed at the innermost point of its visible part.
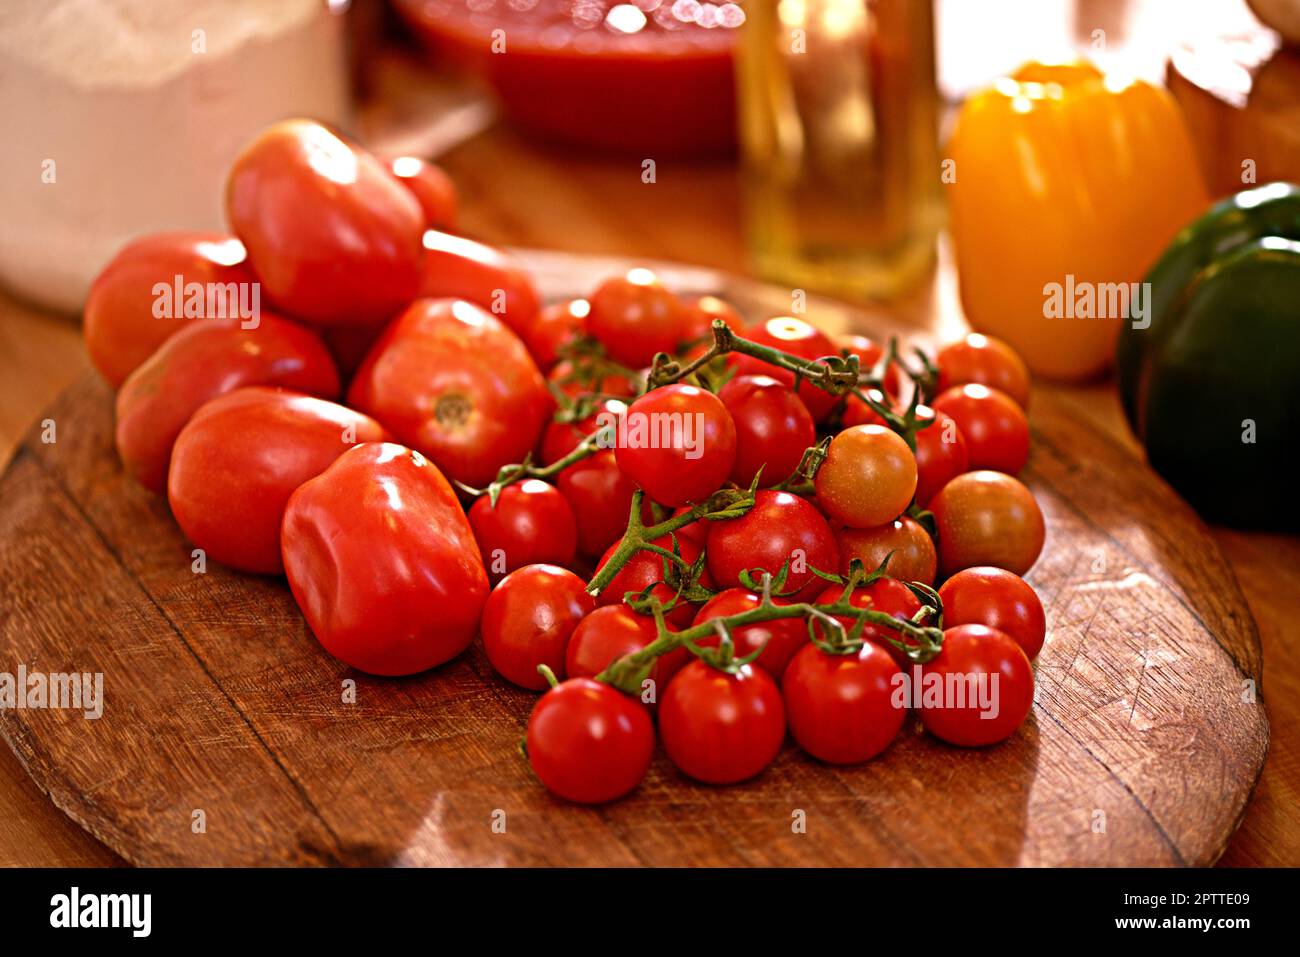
(1142, 749)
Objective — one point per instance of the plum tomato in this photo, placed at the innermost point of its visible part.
(431, 187)
(611, 632)
(634, 317)
(780, 528)
(531, 523)
(978, 690)
(450, 380)
(601, 498)
(588, 742)
(678, 443)
(202, 361)
(561, 438)
(459, 268)
(887, 595)
(868, 477)
(913, 557)
(644, 569)
(779, 639)
(799, 339)
(984, 360)
(869, 354)
(242, 455)
(554, 327)
(332, 235)
(356, 548)
(528, 620)
(133, 306)
(841, 708)
(773, 429)
(940, 453)
(721, 728)
(987, 518)
(999, 599)
(994, 427)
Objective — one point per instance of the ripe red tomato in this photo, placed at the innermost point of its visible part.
(601, 497)
(356, 548)
(431, 187)
(780, 528)
(978, 690)
(780, 639)
(561, 438)
(987, 518)
(940, 454)
(994, 427)
(553, 327)
(700, 313)
(588, 742)
(531, 523)
(644, 569)
(913, 557)
(528, 620)
(996, 598)
(679, 444)
(202, 361)
(773, 428)
(868, 477)
(611, 632)
(887, 595)
(799, 339)
(634, 317)
(242, 455)
(721, 728)
(869, 354)
(332, 235)
(450, 380)
(133, 306)
(985, 361)
(841, 708)
(459, 268)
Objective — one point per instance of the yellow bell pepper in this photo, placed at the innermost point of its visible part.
(1065, 184)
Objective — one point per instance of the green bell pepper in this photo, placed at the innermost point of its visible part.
(1210, 377)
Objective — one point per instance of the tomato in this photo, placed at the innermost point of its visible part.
(561, 438)
(913, 557)
(780, 528)
(450, 380)
(679, 444)
(554, 327)
(887, 595)
(349, 346)
(994, 427)
(700, 313)
(134, 306)
(644, 569)
(588, 742)
(779, 639)
(202, 361)
(868, 477)
(800, 339)
(857, 412)
(531, 523)
(721, 728)
(841, 708)
(611, 632)
(773, 429)
(987, 518)
(601, 498)
(356, 548)
(940, 454)
(996, 598)
(332, 236)
(242, 455)
(576, 381)
(984, 360)
(431, 187)
(528, 620)
(459, 268)
(634, 317)
(869, 354)
(978, 690)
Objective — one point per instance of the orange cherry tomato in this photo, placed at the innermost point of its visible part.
(913, 557)
(868, 477)
(987, 518)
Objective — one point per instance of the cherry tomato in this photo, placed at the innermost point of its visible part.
(133, 306)
(528, 620)
(202, 361)
(561, 438)
(356, 548)
(634, 317)
(699, 316)
(978, 690)
(779, 639)
(554, 327)
(887, 595)
(987, 518)
(985, 361)
(679, 444)
(913, 557)
(333, 237)
(994, 427)
(647, 567)
(940, 454)
(242, 455)
(868, 477)
(869, 354)
(450, 380)
(857, 412)
(773, 429)
(459, 268)
(575, 381)
(799, 339)
(780, 528)
(611, 632)
(841, 708)
(531, 523)
(601, 497)
(588, 742)
(996, 598)
(721, 728)
(431, 187)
